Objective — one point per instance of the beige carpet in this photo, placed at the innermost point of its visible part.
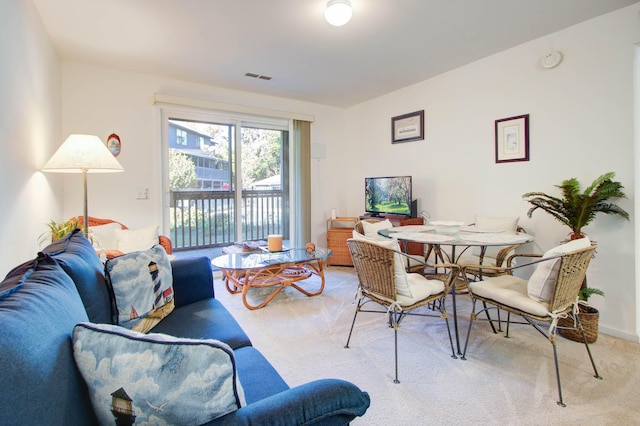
(503, 381)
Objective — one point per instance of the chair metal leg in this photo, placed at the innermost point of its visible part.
(508, 323)
(555, 359)
(395, 338)
(353, 323)
(473, 317)
(443, 313)
(586, 345)
(393, 322)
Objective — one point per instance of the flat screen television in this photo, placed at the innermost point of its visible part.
(388, 195)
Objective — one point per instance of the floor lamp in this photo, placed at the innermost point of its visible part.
(83, 154)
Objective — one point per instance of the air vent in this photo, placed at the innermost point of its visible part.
(261, 77)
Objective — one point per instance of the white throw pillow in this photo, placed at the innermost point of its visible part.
(130, 240)
(542, 283)
(371, 228)
(490, 223)
(103, 237)
(399, 261)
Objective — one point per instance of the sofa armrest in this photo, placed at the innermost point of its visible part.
(321, 402)
(192, 280)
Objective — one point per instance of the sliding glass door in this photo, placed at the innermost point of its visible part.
(228, 179)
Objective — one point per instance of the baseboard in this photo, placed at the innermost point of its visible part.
(619, 334)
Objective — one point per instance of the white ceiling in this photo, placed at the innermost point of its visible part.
(389, 44)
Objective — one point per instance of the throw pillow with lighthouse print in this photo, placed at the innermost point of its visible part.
(155, 379)
(142, 288)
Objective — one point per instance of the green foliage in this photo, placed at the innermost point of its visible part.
(577, 209)
(182, 171)
(58, 230)
(261, 152)
(587, 292)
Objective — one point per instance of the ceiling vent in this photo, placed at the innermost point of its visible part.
(261, 77)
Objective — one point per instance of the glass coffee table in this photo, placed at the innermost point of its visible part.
(281, 269)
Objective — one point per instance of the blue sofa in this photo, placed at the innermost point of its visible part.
(43, 299)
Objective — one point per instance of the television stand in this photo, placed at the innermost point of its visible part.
(383, 216)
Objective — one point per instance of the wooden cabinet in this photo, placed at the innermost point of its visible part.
(339, 230)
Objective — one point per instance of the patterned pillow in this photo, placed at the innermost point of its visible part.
(157, 378)
(142, 288)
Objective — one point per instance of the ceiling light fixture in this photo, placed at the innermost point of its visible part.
(338, 12)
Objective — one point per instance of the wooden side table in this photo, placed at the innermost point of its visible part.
(339, 230)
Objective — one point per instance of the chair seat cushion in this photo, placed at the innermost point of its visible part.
(511, 291)
(421, 288)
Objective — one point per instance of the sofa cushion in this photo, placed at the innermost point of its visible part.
(80, 261)
(142, 287)
(163, 379)
(42, 385)
(206, 319)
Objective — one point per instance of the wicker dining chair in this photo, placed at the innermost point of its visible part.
(415, 261)
(563, 274)
(491, 257)
(380, 283)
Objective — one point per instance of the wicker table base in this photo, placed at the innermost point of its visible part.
(260, 271)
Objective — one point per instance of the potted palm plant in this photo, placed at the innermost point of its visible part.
(577, 209)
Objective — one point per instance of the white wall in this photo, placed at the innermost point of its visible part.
(102, 101)
(581, 125)
(30, 122)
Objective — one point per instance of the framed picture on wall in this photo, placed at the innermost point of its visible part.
(407, 127)
(114, 144)
(512, 139)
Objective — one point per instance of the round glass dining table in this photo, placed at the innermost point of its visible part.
(465, 238)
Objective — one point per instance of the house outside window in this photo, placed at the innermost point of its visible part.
(181, 137)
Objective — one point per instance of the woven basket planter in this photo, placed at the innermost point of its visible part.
(589, 317)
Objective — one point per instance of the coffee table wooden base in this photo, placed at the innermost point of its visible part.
(282, 276)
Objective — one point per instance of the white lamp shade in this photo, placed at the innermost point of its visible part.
(338, 12)
(81, 153)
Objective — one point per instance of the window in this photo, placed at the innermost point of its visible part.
(181, 137)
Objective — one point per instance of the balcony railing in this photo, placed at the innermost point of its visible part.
(202, 219)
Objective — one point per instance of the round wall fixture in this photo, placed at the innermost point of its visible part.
(551, 59)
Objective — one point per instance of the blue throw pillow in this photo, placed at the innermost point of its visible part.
(38, 311)
(79, 260)
(157, 378)
(142, 287)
